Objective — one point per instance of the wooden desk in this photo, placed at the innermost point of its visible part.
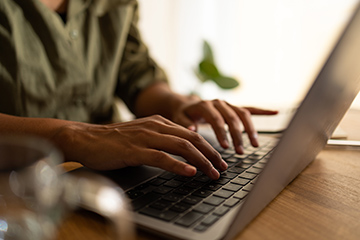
(323, 202)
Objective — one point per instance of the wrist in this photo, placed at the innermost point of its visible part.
(65, 137)
(179, 102)
(160, 99)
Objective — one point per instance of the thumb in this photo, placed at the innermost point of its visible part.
(184, 121)
(192, 128)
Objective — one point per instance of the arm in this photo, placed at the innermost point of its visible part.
(106, 147)
(189, 110)
(143, 87)
(160, 99)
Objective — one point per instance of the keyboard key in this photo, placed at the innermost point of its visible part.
(254, 170)
(173, 197)
(173, 183)
(223, 193)
(230, 164)
(240, 181)
(248, 187)
(220, 211)
(249, 151)
(247, 175)
(192, 200)
(144, 200)
(202, 193)
(213, 200)
(183, 190)
(240, 156)
(236, 170)
(255, 157)
(232, 187)
(189, 219)
(226, 155)
(194, 184)
(200, 228)
(210, 220)
(203, 179)
(263, 151)
(167, 175)
(263, 161)
(183, 178)
(133, 194)
(157, 181)
(228, 175)
(204, 208)
(162, 190)
(221, 181)
(180, 207)
(254, 180)
(232, 160)
(161, 204)
(163, 215)
(259, 165)
(241, 194)
(142, 187)
(231, 202)
(243, 165)
(212, 186)
(248, 161)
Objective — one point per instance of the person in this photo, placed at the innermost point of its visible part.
(64, 62)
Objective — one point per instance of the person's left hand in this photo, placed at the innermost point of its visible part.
(218, 113)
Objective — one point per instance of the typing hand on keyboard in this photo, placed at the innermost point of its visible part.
(146, 141)
(198, 202)
(218, 114)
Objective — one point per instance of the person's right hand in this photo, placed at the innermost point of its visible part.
(142, 141)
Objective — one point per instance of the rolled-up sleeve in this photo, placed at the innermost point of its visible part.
(137, 69)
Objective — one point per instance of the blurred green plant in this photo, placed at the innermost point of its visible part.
(207, 70)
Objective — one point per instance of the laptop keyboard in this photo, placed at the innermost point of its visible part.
(198, 202)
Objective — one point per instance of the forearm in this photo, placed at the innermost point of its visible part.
(48, 128)
(160, 99)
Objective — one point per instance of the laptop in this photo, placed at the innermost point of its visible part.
(177, 207)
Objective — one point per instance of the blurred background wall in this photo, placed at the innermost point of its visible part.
(274, 48)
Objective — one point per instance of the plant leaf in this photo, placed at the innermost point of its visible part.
(209, 69)
(208, 53)
(226, 82)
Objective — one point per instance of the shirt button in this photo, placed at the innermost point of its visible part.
(74, 34)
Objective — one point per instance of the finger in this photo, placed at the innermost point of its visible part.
(245, 117)
(258, 111)
(206, 149)
(164, 161)
(184, 148)
(185, 121)
(212, 116)
(157, 126)
(233, 122)
(200, 144)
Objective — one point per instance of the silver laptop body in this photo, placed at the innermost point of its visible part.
(327, 101)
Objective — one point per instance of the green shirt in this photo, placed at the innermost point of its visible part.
(72, 70)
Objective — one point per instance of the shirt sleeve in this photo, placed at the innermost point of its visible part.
(137, 69)
(8, 68)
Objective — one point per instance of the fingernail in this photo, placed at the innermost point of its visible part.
(214, 173)
(192, 128)
(254, 140)
(226, 143)
(240, 149)
(224, 165)
(189, 170)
